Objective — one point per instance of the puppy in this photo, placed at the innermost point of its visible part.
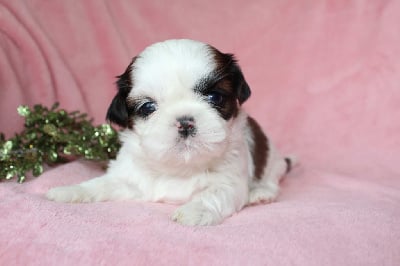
(186, 139)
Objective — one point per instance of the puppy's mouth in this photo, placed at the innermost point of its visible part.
(194, 144)
(189, 148)
(186, 140)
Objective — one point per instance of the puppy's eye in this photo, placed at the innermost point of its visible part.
(147, 108)
(215, 98)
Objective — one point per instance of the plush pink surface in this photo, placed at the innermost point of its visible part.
(325, 77)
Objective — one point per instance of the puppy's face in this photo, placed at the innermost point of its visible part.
(180, 99)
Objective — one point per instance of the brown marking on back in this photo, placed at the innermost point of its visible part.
(260, 149)
(288, 164)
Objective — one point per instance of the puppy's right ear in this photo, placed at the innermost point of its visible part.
(119, 112)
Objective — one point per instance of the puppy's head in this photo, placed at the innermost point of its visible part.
(180, 98)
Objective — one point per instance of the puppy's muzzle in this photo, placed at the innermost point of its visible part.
(186, 126)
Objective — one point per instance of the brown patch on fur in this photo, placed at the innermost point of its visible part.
(260, 149)
(227, 80)
(224, 86)
(222, 60)
(130, 105)
(227, 67)
(230, 108)
(124, 82)
(288, 165)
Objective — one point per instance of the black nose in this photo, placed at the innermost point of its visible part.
(186, 126)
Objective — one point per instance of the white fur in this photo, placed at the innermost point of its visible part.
(211, 174)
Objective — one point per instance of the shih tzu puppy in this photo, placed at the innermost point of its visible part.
(186, 139)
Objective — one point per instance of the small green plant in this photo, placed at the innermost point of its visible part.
(53, 136)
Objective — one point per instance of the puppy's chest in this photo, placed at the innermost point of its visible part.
(171, 189)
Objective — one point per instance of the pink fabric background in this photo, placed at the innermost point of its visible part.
(325, 77)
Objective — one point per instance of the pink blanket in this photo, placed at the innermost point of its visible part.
(325, 77)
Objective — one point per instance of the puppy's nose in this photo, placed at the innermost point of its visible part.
(186, 126)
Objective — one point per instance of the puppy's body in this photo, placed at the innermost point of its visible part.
(186, 138)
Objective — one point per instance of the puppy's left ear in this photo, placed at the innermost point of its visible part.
(241, 87)
(119, 111)
(227, 66)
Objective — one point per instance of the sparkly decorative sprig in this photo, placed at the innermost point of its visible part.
(54, 136)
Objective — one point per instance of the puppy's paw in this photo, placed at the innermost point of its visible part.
(195, 213)
(68, 194)
(262, 195)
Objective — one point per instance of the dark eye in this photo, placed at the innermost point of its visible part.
(215, 98)
(147, 108)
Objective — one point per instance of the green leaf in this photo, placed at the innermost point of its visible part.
(53, 156)
(21, 178)
(7, 147)
(23, 110)
(50, 129)
(37, 169)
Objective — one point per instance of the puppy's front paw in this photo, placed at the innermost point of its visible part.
(195, 213)
(262, 195)
(68, 194)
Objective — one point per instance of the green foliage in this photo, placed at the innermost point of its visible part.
(54, 136)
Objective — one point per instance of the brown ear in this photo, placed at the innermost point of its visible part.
(118, 111)
(240, 85)
(227, 66)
